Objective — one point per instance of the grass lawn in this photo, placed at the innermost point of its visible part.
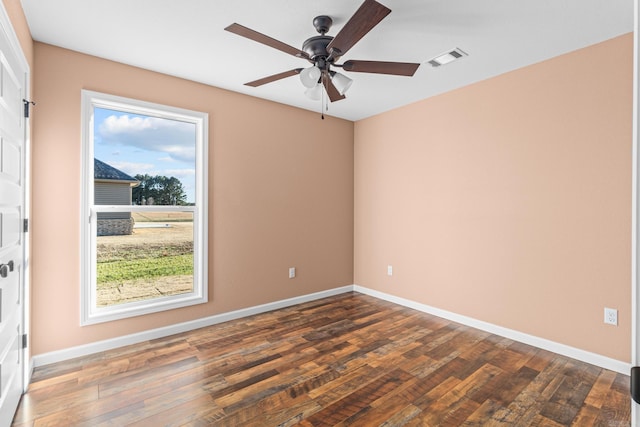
(120, 270)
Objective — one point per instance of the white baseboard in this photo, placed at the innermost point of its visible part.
(95, 347)
(565, 350)
(562, 349)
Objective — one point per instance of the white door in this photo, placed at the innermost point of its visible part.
(12, 236)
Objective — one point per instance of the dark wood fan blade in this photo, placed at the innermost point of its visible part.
(269, 41)
(273, 78)
(366, 17)
(381, 67)
(333, 93)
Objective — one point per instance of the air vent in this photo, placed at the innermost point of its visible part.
(447, 57)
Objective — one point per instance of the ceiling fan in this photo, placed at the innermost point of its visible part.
(323, 52)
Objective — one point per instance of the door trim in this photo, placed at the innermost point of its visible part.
(635, 286)
(14, 45)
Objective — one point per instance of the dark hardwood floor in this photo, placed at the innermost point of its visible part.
(345, 360)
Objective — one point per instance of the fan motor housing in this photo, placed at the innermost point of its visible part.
(317, 46)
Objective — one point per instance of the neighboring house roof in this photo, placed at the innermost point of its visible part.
(105, 172)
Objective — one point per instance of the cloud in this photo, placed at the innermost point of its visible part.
(179, 172)
(171, 137)
(131, 168)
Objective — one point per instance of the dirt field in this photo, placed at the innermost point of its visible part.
(162, 216)
(176, 232)
(175, 237)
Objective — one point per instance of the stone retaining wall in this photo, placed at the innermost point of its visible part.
(115, 227)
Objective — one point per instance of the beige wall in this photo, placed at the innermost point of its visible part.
(280, 195)
(509, 200)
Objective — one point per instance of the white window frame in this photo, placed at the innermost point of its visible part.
(89, 312)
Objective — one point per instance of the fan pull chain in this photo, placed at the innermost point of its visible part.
(323, 94)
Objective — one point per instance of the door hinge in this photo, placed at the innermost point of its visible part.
(25, 340)
(25, 225)
(27, 105)
(635, 383)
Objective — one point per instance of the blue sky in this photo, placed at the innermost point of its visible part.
(138, 144)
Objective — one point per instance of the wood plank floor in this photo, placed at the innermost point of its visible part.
(345, 360)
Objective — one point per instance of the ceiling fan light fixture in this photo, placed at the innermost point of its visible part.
(323, 51)
(341, 82)
(310, 76)
(315, 92)
(447, 57)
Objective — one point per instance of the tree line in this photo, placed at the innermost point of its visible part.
(158, 190)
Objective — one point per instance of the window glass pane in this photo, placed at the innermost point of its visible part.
(154, 156)
(155, 260)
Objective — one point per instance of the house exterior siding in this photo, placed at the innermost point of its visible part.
(113, 193)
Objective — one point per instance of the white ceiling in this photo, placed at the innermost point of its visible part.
(186, 38)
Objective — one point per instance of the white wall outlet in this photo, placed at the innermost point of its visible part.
(292, 272)
(610, 316)
(389, 270)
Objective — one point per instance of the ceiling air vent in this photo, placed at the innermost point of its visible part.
(447, 57)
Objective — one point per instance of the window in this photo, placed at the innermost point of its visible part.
(144, 208)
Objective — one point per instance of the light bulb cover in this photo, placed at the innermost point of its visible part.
(309, 76)
(341, 82)
(314, 93)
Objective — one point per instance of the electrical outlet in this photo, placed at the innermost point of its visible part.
(610, 316)
(389, 270)
(292, 272)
